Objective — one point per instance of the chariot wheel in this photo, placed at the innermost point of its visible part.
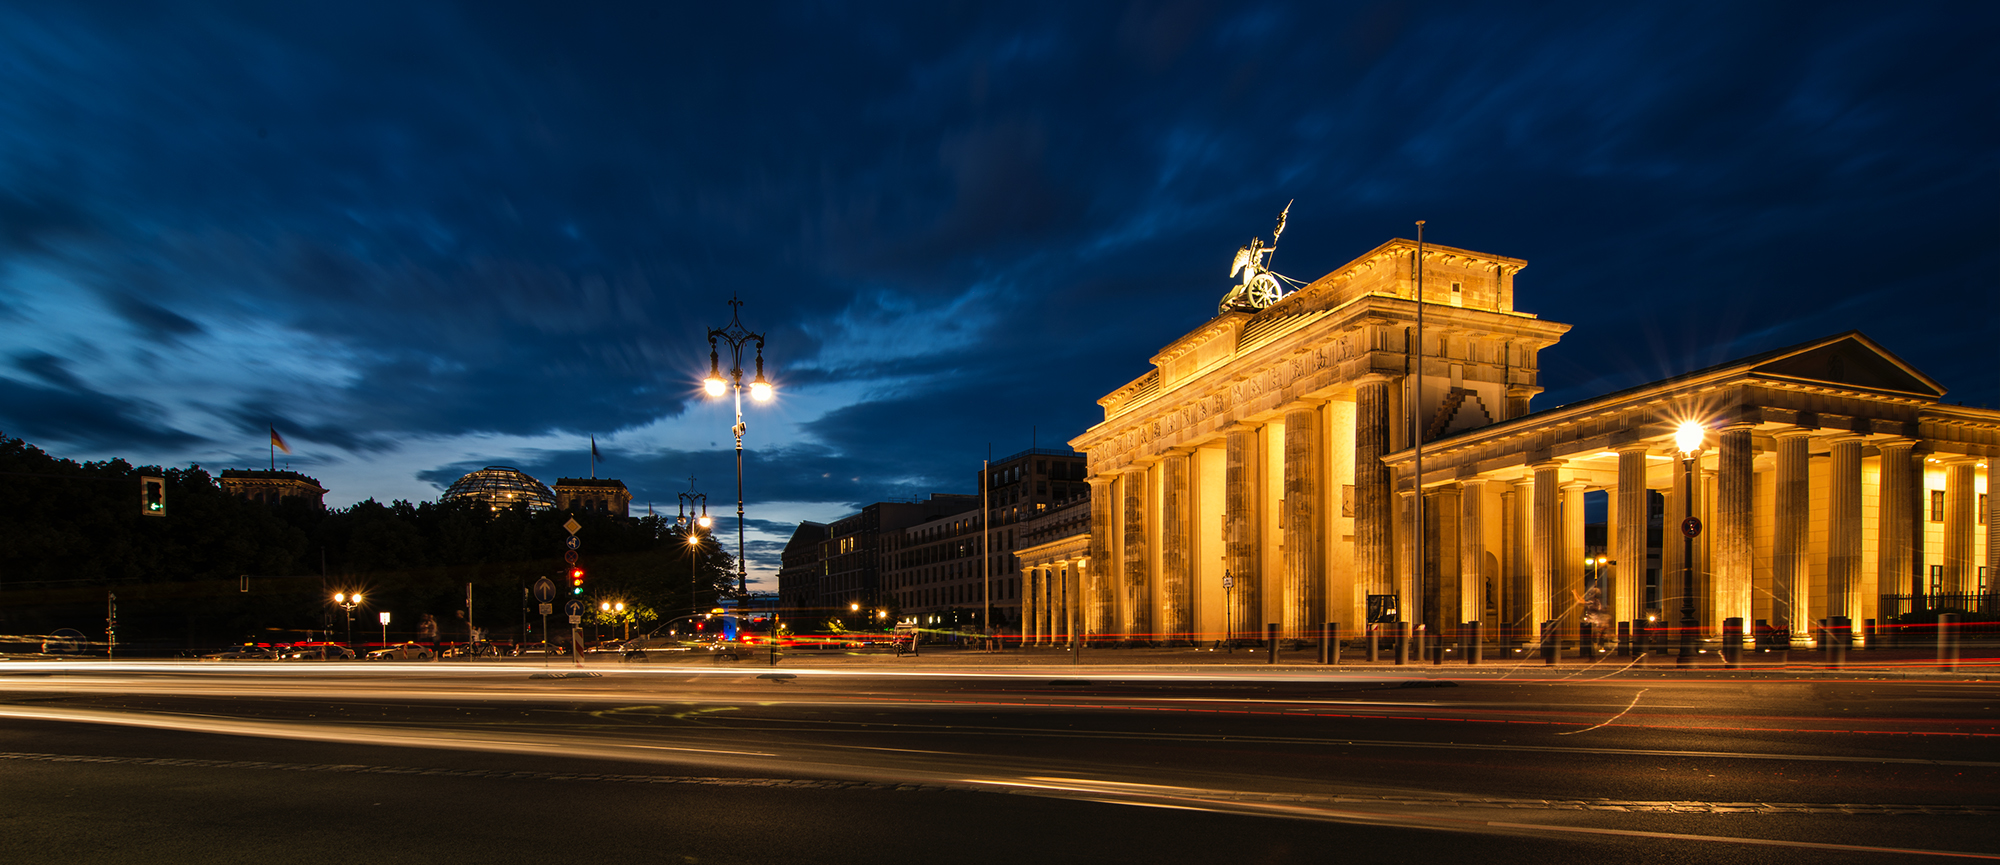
(1264, 290)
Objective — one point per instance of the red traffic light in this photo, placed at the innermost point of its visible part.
(576, 580)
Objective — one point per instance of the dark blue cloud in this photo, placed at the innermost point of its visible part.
(955, 223)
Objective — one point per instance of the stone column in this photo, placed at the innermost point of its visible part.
(1029, 634)
(1136, 585)
(1992, 519)
(1239, 535)
(1626, 589)
(1734, 556)
(1374, 566)
(1096, 573)
(1176, 570)
(1895, 509)
(1545, 544)
(1573, 547)
(1788, 539)
(1959, 501)
(1407, 566)
(1843, 527)
(1473, 573)
(1303, 604)
(1513, 564)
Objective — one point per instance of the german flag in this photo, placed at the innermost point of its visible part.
(278, 441)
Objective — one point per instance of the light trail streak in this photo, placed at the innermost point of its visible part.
(1607, 722)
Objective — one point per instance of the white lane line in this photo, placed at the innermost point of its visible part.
(1761, 842)
(1635, 702)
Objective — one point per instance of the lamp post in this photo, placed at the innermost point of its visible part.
(694, 519)
(1687, 439)
(348, 602)
(760, 390)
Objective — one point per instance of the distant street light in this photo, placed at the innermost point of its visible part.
(693, 523)
(1687, 439)
(348, 602)
(760, 390)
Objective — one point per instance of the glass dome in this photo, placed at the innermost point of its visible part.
(502, 487)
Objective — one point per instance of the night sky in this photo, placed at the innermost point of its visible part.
(420, 238)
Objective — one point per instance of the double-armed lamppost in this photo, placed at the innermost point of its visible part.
(1687, 439)
(760, 390)
(693, 521)
(348, 602)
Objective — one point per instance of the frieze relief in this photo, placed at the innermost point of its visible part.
(1219, 406)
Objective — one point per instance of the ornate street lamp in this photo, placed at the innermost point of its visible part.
(1687, 439)
(760, 390)
(694, 520)
(348, 602)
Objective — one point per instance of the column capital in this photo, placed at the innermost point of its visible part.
(1373, 378)
(1895, 443)
(1633, 448)
(1097, 481)
(1840, 438)
(1468, 477)
(1793, 432)
(1738, 426)
(1546, 464)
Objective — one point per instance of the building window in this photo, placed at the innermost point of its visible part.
(1937, 506)
(1458, 294)
(1937, 578)
(1982, 509)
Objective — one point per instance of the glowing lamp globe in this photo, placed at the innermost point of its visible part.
(760, 391)
(713, 386)
(1687, 438)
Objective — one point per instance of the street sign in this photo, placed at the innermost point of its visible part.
(573, 609)
(1229, 582)
(576, 620)
(385, 617)
(572, 525)
(573, 543)
(569, 556)
(545, 592)
(548, 608)
(1691, 526)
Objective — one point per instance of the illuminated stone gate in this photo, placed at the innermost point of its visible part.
(1263, 472)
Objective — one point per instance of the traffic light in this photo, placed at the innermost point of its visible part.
(153, 496)
(576, 581)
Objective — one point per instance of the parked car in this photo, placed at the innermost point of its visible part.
(474, 650)
(315, 652)
(402, 652)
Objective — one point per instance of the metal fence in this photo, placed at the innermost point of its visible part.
(1984, 603)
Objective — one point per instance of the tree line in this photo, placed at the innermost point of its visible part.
(219, 570)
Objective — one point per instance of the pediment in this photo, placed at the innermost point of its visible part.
(1853, 361)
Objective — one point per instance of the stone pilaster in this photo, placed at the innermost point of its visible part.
(1474, 574)
(1097, 572)
(1896, 491)
(1545, 544)
(1790, 514)
(1030, 626)
(1992, 519)
(1176, 569)
(1240, 528)
(1374, 566)
(1734, 556)
(1626, 589)
(1304, 538)
(1407, 567)
(1518, 397)
(1843, 527)
(1960, 576)
(1136, 586)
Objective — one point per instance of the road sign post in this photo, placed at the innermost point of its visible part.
(545, 593)
(575, 611)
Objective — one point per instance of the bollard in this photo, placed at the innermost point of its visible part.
(1625, 639)
(1839, 636)
(1325, 638)
(1271, 642)
(1549, 646)
(1475, 647)
(1402, 643)
(1947, 641)
(1586, 641)
(1868, 635)
(1331, 654)
(1732, 643)
(1374, 632)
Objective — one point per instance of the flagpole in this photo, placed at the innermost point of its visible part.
(274, 447)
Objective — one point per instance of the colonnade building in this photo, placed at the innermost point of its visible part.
(1266, 470)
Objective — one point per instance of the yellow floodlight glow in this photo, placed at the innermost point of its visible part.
(1688, 436)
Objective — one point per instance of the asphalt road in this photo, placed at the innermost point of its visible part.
(722, 763)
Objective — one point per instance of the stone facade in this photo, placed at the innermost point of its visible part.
(1278, 449)
(593, 495)
(271, 487)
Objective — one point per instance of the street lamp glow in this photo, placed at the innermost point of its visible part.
(854, 607)
(760, 390)
(704, 521)
(1687, 438)
(714, 386)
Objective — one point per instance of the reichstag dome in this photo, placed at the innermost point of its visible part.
(502, 487)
